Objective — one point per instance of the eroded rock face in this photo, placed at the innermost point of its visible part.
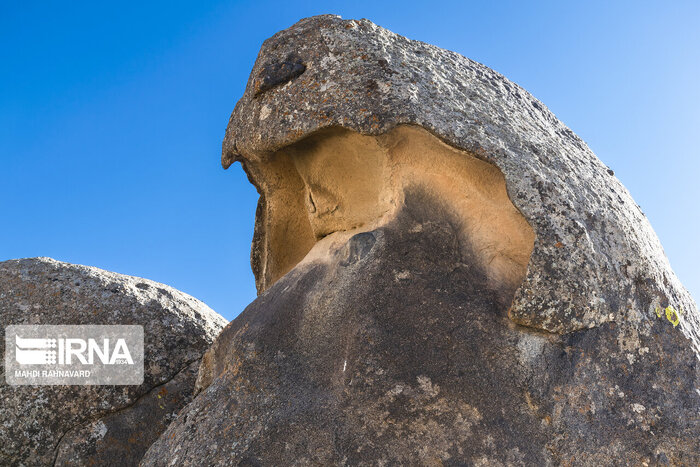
(338, 180)
(99, 425)
(391, 347)
(447, 276)
(595, 257)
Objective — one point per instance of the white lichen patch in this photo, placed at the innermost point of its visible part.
(99, 430)
(402, 275)
(427, 387)
(530, 348)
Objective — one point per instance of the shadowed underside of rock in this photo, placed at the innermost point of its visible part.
(99, 425)
(447, 275)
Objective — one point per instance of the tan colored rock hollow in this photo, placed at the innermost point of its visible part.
(338, 180)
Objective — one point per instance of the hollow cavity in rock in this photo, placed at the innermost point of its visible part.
(337, 180)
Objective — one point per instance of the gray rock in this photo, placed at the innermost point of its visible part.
(447, 275)
(365, 78)
(99, 425)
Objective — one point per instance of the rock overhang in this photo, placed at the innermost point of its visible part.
(595, 257)
(378, 345)
(339, 181)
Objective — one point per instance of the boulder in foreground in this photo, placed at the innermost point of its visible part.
(447, 276)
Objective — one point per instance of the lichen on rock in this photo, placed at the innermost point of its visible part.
(446, 275)
(595, 257)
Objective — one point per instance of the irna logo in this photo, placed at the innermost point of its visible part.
(74, 354)
(33, 351)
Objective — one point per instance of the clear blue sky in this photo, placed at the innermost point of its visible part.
(112, 116)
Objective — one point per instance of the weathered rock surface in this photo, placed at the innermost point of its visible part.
(99, 425)
(447, 275)
(595, 252)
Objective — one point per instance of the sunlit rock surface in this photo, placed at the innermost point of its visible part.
(447, 275)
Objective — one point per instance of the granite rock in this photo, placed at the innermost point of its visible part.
(595, 258)
(447, 275)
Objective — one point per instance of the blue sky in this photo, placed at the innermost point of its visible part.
(112, 116)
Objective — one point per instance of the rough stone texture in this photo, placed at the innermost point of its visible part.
(596, 258)
(98, 425)
(392, 352)
(387, 342)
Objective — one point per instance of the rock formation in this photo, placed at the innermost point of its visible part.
(98, 425)
(447, 275)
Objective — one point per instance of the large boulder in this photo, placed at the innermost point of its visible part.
(98, 425)
(447, 275)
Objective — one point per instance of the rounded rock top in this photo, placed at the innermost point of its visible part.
(595, 257)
